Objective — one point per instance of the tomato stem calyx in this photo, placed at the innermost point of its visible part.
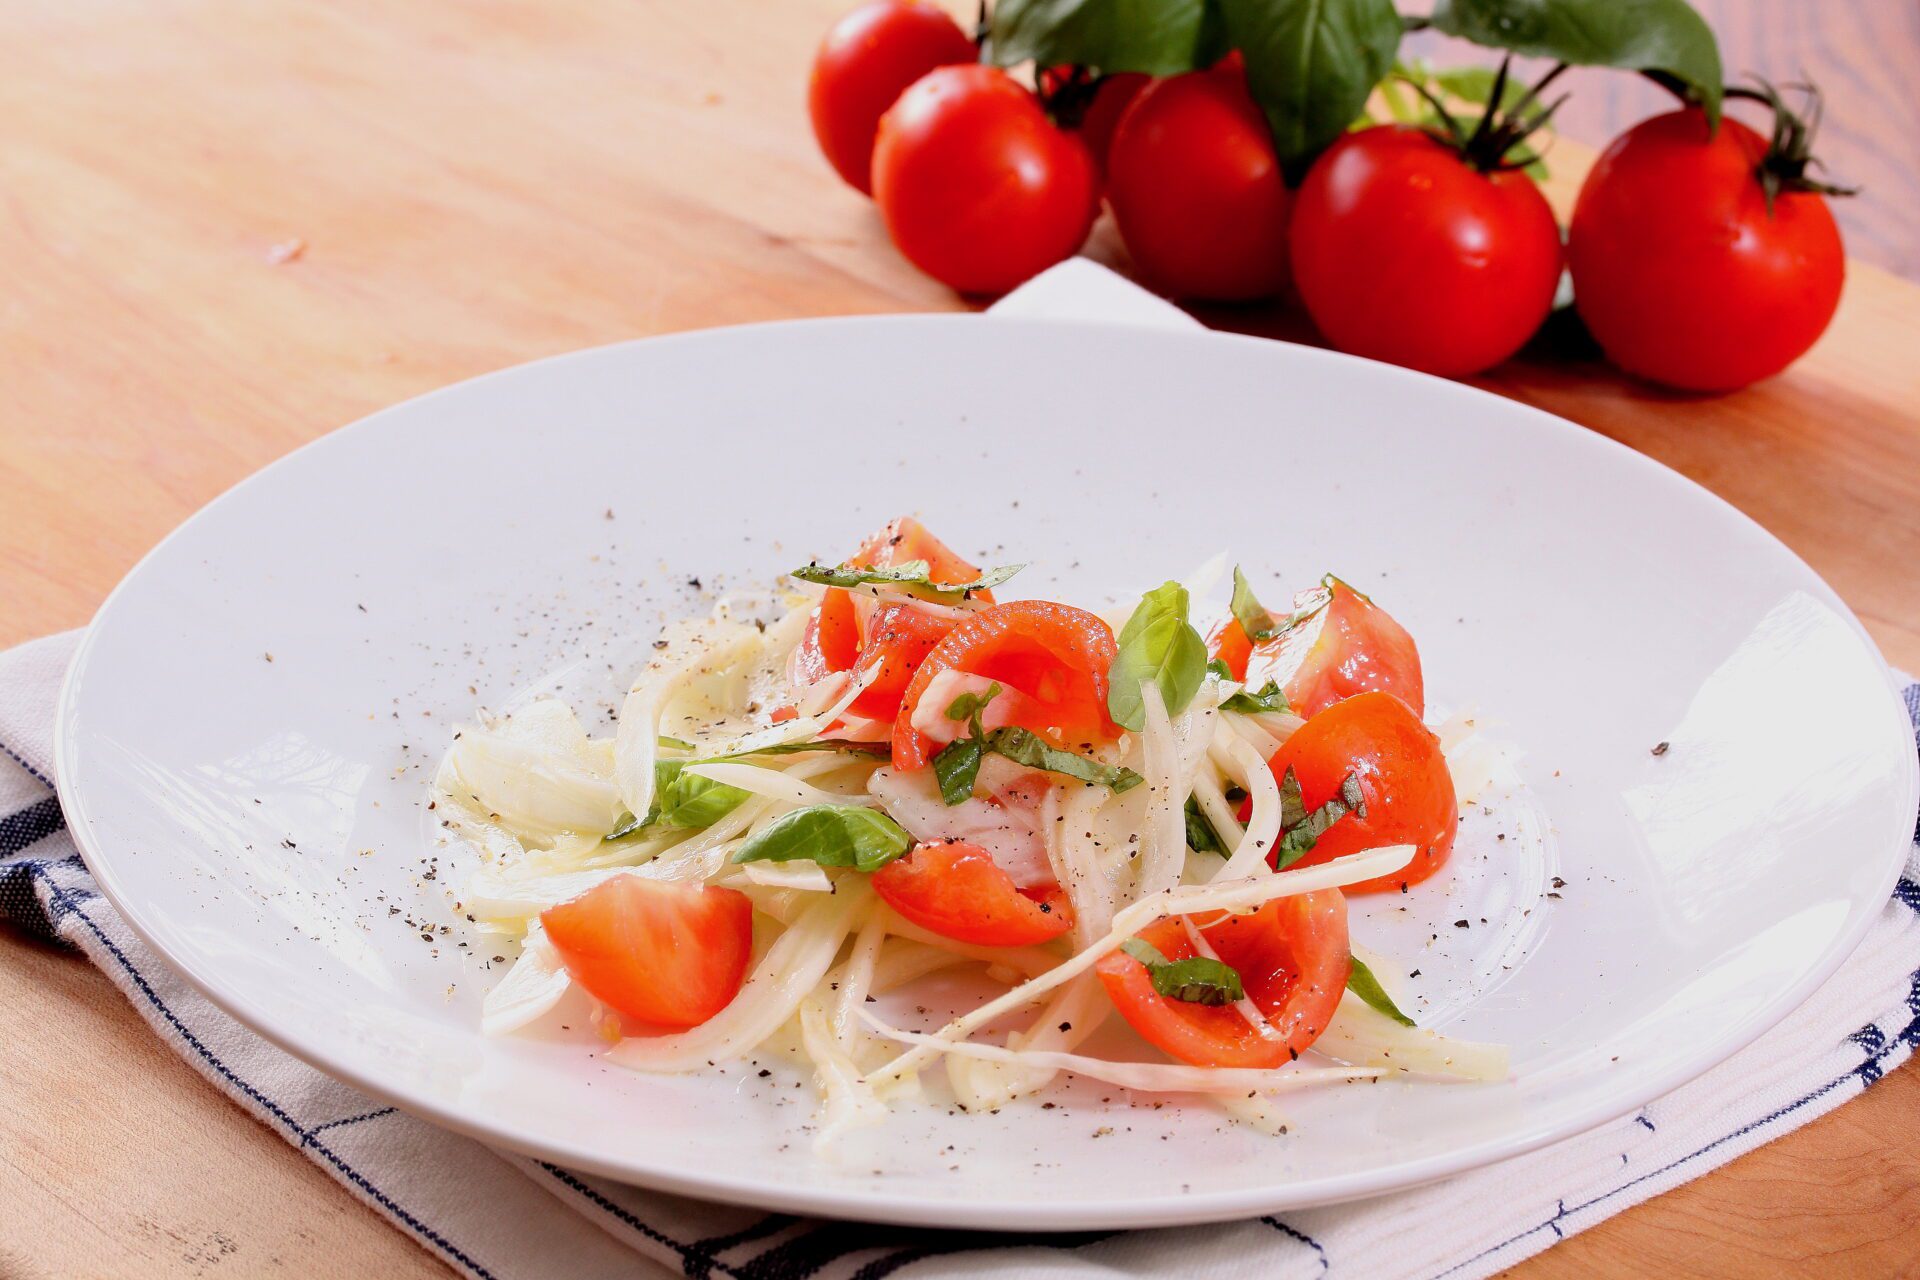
(1490, 145)
(1790, 150)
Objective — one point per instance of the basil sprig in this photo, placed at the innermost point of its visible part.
(1195, 980)
(957, 766)
(1667, 39)
(832, 835)
(1301, 829)
(913, 576)
(1361, 982)
(1267, 699)
(1157, 644)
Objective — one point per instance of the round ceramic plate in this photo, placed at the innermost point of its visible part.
(248, 729)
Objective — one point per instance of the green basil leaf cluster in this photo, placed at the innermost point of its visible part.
(832, 835)
(1361, 982)
(1195, 980)
(1666, 38)
(1157, 644)
(1300, 830)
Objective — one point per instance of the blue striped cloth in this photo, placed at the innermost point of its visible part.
(496, 1216)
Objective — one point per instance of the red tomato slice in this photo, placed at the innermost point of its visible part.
(907, 539)
(831, 642)
(1402, 773)
(1056, 655)
(1292, 958)
(957, 890)
(1348, 645)
(656, 952)
(900, 640)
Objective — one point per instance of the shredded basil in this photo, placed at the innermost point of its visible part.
(1216, 667)
(969, 705)
(913, 575)
(1254, 618)
(832, 835)
(1200, 833)
(957, 767)
(1266, 699)
(1195, 980)
(1157, 644)
(1361, 982)
(1301, 829)
(795, 748)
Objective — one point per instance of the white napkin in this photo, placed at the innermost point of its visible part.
(494, 1215)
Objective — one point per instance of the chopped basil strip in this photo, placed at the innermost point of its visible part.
(1300, 830)
(678, 744)
(833, 835)
(1025, 747)
(1218, 668)
(1254, 618)
(956, 768)
(1200, 833)
(1195, 980)
(1157, 644)
(914, 575)
(1267, 698)
(1361, 982)
(969, 705)
(795, 748)
(627, 825)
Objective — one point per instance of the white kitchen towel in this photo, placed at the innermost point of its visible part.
(490, 1214)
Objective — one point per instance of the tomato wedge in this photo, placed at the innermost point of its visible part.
(899, 640)
(1402, 773)
(1348, 645)
(957, 890)
(1055, 655)
(656, 952)
(1292, 956)
(831, 642)
(907, 539)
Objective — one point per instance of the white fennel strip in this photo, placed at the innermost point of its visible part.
(1219, 814)
(1239, 895)
(1148, 1077)
(1164, 832)
(790, 969)
(775, 784)
(1074, 1013)
(534, 984)
(1253, 734)
(715, 647)
(1362, 1034)
(1255, 846)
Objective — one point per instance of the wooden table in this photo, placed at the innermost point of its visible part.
(230, 227)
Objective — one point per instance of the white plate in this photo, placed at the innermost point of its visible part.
(257, 820)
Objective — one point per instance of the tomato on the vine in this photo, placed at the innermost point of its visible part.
(1196, 189)
(1404, 250)
(1686, 269)
(867, 60)
(977, 187)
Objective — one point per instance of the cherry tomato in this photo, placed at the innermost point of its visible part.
(1682, 273)
(1404, 252)
(905, 539)
(657, 952)
(977, 187)
(1401, 771)
(1348, 645)
(865, 63)
(1196, 189)
(1055, 655)
(957, 890)
(1292, 957)
(1111, 96)
(831, 641)
(899, 639)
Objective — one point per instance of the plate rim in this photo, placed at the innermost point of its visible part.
(1009, 1215)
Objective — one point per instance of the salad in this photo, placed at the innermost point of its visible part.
(1121, 818)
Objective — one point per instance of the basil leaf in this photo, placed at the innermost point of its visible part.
(1159, 37)
(1665, 38)
(969, 705)
(1215, 667)
(1254, 618)
(1311, 65)
(914, 575)
(1361, 982)
(795, 748)
(1267, 699)
(678, 744)
(684, 799)
(627, 825)
(1195, 980)
(1157, 644)
(1301, 830)
(833, 835)
(1024, 747)
(1200, 833)
(956, 768)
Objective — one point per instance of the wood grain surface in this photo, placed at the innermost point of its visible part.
(226, 228)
